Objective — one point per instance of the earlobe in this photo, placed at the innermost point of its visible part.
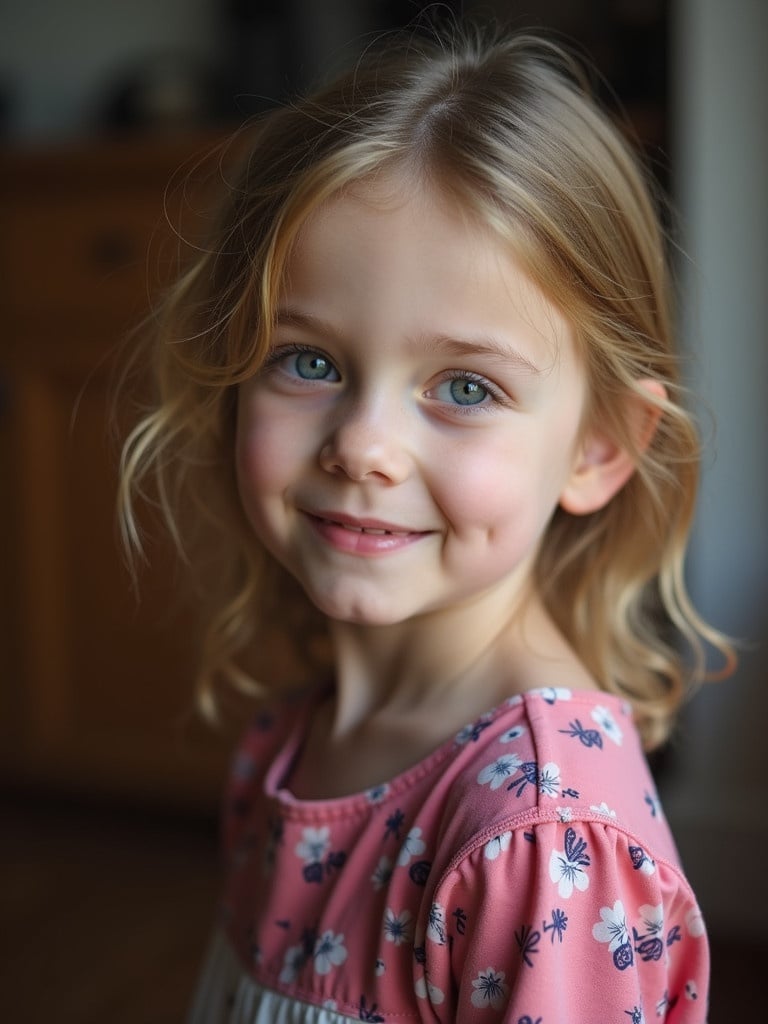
(601, 470)
(603, 466)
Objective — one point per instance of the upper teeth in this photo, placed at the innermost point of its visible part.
(370, 529)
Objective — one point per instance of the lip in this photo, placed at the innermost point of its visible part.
(362, 536)
(354, 523)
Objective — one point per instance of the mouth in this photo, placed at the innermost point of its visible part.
(374, 531)
(374, 527)
(369, 537)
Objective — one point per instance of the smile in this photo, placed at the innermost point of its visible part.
(367, 537)
(372, 530)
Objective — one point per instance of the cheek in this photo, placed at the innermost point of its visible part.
(502, 491)
(260, 459)
(481, 488)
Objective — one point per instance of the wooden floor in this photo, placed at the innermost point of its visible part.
(105, 914)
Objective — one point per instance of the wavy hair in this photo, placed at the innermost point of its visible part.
(510, 129)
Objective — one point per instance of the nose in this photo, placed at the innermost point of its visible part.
(366, 443)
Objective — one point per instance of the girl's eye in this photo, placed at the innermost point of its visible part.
(464, 390)
(314, 366)
(303, 363)
(467, 392)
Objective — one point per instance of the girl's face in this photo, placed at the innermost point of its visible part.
(417, 421)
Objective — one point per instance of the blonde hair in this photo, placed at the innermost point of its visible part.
(509, 128)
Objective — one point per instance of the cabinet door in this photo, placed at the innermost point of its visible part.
(108, 671)
(97, 683)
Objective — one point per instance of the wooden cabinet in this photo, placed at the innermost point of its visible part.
(95, 683)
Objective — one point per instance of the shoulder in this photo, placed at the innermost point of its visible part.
(554, 915)
(553, 756)
(559, 865)
(271, 725)
(260, 759)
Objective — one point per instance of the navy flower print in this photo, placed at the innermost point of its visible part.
(588, 737)
(612, 929)
(567, 868)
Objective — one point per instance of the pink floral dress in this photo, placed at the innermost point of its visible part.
(523, 873)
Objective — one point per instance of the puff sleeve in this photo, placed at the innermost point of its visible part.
(562, 922)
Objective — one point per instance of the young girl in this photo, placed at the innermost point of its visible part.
(424, 369)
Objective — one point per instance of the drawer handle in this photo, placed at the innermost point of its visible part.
(111, 250)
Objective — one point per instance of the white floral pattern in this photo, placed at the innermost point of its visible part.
(663, 1005)
(497, 845)
(604, 809)
(553, 694)
(293, 961)
(641, 861)
(490, 989)
(314, 845)
(694, 922)
(603, 717)
(329, 952)
(612, 928)
(549, 780)
(652, 918)
(377, 794)
(567, 867)
(473, 731)
(436, 931)
(412, 846)
(398, 928)
(425, 989)
(382, 874)
(499, 771)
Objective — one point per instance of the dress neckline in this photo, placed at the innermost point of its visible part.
(277, 779)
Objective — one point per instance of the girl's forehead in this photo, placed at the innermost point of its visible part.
(435, 202)
(387, 192)
(403, 208)
(394, 188)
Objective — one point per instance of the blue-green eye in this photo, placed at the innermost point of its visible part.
(465, 391)
(314, 366)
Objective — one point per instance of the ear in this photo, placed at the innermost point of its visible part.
(602, 466)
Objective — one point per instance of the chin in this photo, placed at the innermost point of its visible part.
(362, 617)
(355, 611)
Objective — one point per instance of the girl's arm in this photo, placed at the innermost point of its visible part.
(564, 922)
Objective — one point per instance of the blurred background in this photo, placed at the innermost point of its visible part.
(108, 867)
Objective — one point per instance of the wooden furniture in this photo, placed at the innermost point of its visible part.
(95, 684)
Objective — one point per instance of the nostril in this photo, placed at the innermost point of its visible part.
(361, 455)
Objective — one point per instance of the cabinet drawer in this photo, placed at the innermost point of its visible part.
(86, 255)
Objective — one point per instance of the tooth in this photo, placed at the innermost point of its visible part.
(368, 529)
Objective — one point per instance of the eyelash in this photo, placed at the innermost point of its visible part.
(282, 352)
(495, 394)
(276, 355)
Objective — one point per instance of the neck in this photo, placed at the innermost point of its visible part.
(455, 664)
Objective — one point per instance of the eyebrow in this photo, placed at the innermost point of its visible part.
(443, 344)
(482, 345)
(298, 318)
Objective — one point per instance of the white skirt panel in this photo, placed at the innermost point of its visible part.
(226, 995)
